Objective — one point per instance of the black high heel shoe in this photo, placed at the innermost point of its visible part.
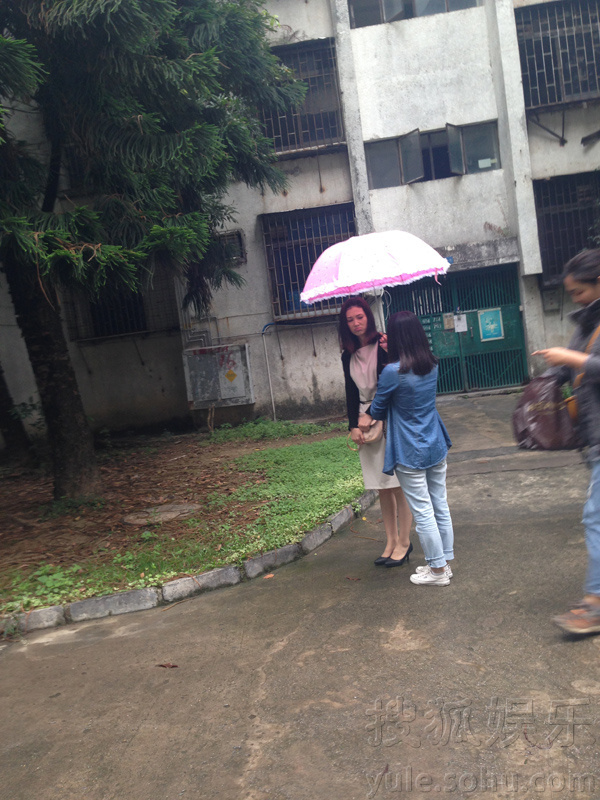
(379, 562)
(398, 562)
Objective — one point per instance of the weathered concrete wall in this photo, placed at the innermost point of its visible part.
(239, 315)
(418, 73)
(15, 361)
(549, 158)
(300, 20)
(558, 328)
(351, 109)
(131, 381)
(514, 152)
(306, 371)
(466, 208)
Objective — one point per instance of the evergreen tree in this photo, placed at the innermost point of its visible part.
(152, 108)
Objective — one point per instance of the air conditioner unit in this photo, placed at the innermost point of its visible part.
(218, 376)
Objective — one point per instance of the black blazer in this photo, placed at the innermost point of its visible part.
(352, 395)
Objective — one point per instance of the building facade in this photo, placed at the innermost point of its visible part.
(473, 124)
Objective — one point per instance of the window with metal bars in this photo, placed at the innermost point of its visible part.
(559, 47)
(374, 12)
(568, 211)
(293, 242)
(123, 313)
(318, 123)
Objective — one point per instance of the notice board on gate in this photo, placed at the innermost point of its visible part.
(218, 376)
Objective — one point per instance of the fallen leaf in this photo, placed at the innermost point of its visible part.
(270, 575)
(352, 579)
(167, 666)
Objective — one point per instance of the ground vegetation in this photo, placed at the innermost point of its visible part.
(254, 488)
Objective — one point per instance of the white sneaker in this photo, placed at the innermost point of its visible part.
(427, 567)
(429, 578)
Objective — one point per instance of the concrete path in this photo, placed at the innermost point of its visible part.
(334, 679)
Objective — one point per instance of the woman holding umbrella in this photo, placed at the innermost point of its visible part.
(363, 358)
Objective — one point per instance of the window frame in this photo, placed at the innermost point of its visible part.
(458, 157)
(407, 12)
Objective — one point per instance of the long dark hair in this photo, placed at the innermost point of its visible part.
(584, 267)
(408, 344)
(348, 340)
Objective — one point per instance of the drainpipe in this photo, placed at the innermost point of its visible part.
(264, 330)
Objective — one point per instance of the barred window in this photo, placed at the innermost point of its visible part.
(559, 47)
(374, 12)
(319, 122)
(567, 210)
(293, 242)
(121, 313)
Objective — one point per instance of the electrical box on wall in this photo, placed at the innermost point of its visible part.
(218, 376)
(552, 299)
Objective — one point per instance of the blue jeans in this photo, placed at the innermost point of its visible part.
(591, 520)
(425, 492)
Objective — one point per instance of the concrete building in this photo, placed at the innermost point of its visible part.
(474, 124)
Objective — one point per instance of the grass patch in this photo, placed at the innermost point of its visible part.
(267, 430)
(282, 493)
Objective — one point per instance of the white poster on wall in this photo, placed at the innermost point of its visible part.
(460, 323)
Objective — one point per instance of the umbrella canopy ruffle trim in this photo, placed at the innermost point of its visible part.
(331, 290)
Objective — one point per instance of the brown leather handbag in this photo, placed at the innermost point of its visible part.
(541, 421)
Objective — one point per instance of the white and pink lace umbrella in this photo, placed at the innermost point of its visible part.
(373, 260)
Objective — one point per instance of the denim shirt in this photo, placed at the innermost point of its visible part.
(416, 436)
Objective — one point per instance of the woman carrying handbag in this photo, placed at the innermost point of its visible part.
(363, 357)
(580, 363)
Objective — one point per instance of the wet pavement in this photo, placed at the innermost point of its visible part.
(335, 679)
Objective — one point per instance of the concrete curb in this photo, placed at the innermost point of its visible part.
(182, 588)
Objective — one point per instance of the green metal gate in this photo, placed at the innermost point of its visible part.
(473, 323)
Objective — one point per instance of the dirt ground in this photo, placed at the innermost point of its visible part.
(137, 473)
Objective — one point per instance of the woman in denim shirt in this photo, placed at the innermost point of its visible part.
(417, 441)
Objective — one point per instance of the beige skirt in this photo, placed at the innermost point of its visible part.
(371, 461)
